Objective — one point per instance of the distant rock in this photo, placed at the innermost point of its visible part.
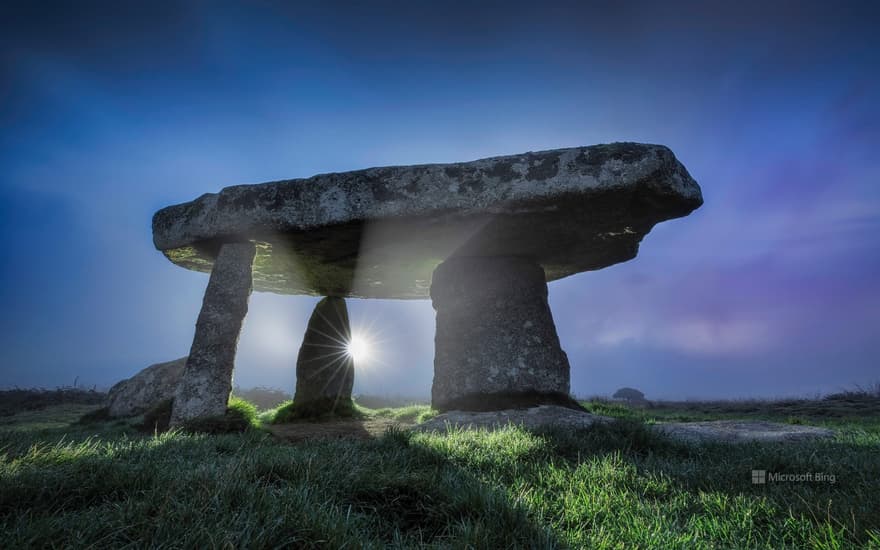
(741, 431)
(145, 389)
(630, 395)
(541, 416)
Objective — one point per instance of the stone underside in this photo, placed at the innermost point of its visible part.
(381, 232)
(324, 369)
(496, 345)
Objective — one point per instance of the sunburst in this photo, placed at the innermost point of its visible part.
(359, 347)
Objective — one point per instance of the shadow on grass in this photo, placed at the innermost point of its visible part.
(113, 486)
(606, 485)
(311, 430)
(424, 496)
(827, 501)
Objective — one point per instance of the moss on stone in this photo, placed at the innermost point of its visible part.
(240, 416)
(318, 409)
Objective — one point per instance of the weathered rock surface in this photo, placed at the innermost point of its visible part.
(740, 431)
(207, 379)
(495, 335)
(381, 232)
(542, 416)
(324, 369)
(145, 389)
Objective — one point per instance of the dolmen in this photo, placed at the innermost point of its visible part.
(481, 239)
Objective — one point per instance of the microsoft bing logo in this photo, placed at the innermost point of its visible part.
(762, 477)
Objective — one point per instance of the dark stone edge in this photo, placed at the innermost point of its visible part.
(485, 402)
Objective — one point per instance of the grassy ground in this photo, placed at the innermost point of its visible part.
(845, 409)
(104, 485)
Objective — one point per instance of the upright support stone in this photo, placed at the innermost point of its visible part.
(324, 368)
(496, 344)
(207, 379)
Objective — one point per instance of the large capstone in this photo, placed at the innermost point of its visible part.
(496, 345)
(207, 379)
(324, 368)
(381, 232)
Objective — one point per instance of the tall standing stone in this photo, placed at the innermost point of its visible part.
(496, 343)
(207, 379)
(324, 368)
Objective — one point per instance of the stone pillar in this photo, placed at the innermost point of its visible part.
(324, 368)
(207, 379)
(496, 345)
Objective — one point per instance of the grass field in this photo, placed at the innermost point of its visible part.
(106, 485)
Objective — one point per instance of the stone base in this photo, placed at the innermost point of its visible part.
(317, 409)
(324, 369)
(740, 431)
(534, 418)
(495, 335)
(204, 389)
(500, 401)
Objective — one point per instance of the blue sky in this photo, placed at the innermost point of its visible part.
(110, 112)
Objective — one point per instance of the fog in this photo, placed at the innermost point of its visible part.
(771, 288)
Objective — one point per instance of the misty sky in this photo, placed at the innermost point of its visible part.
(110, 111)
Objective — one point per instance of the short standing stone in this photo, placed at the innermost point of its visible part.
(495, 341)
(324, 369)
(145, 389)
(207, 380)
